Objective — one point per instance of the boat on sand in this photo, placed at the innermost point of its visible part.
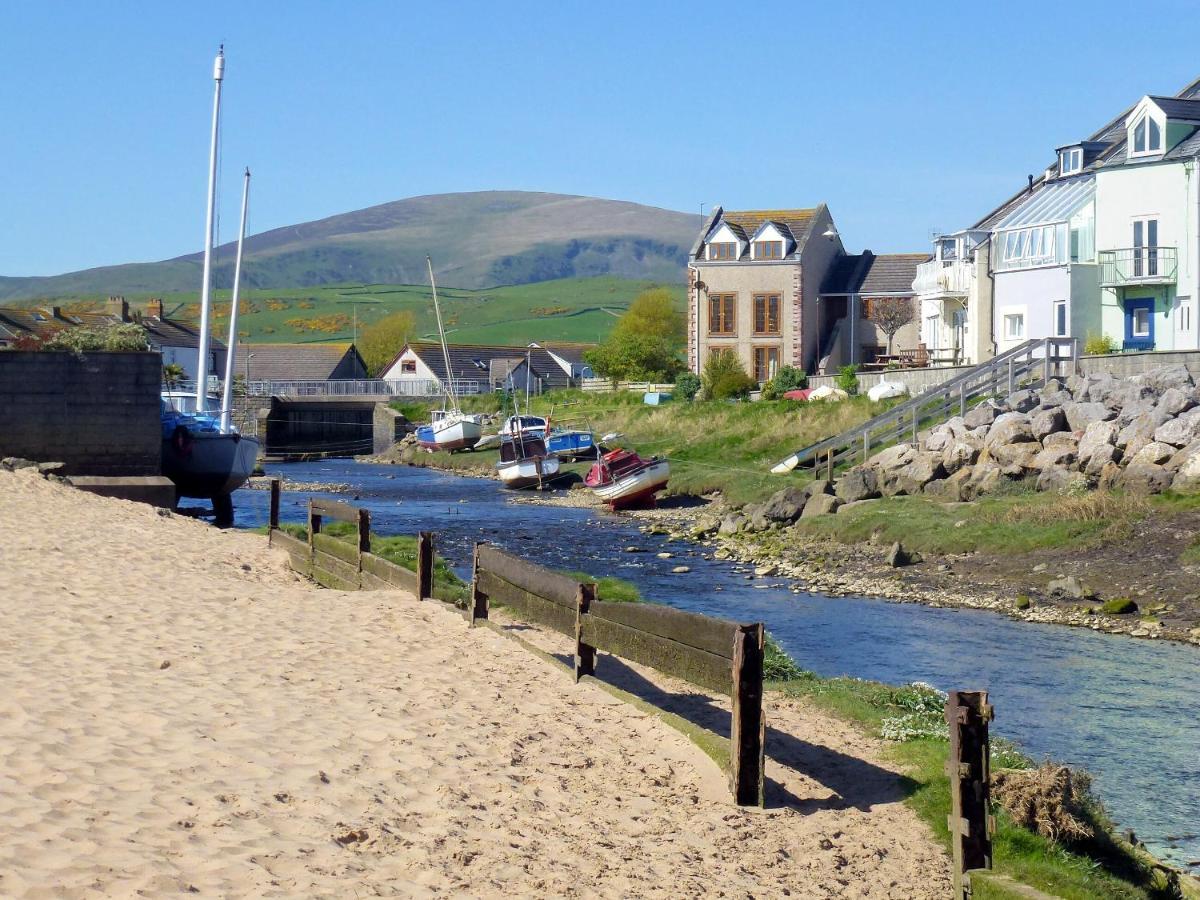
(624, 480)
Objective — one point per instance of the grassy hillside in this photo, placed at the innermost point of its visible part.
(477, 240)
(571, 309)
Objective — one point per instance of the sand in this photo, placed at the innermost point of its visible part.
(180, 713)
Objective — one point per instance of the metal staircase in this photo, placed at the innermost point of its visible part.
(1031, 364)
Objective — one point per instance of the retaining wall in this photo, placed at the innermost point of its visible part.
(98, 413)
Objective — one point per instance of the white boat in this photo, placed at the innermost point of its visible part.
(525, 462)
(449, 428)
(624, 480)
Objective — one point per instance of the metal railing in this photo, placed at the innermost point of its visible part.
(356, 387)
(1138, 265)
(942, 277)
(1029, 364)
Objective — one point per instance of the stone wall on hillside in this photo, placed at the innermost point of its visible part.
(98, 413)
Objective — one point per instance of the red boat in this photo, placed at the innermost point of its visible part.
(624, 480)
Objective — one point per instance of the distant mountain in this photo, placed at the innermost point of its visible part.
(477, 240)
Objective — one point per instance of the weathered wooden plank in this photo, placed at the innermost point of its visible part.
(585, 654)
(747, 732)
(477, 605)
(371, 582)
(273, 518)
(525, 605)
(707, 633)
(387, 571)
(334, 509)
(424, 565)
(969, 767)
(288, 543)
(334, 566)
(333, 582)
(548, 585)
(343, 551)
(300, 563)
(689, 663)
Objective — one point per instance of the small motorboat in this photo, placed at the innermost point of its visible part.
(624, 480)
(450, 430)
(525, 462)
(577, 442)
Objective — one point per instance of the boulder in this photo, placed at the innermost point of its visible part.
(1143, 478)
(732, 524)
(818, 486)
(1054, 384)
(1140, 431)
(960, 453)
(857, 484)
(1187, 475)
(1095, 436)
(954, 489)
(986, 477)
(895, 457)
(1060, 480)
(1069, 586)
(1023, 401)
(1047, 421)
(1055, 398)
(1015, 460)
(820, 505)
(785, 505)
(1061, 439)
(1055, 458)
(1175, 401)
(983, 414)
(1181, 457)
(955, 426)
(924, 468)
(1131, 411)
(1101, 456)
(937, 441)
(1181, 431)
(1009, 428)
(1110, 476)
(1153, 453)
(1167, 377)
(897, 556)
(1081, 415)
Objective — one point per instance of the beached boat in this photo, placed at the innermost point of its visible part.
(567, 439)
(624, 480)
(449, 428)
(525, 462)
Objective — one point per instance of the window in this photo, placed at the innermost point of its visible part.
(1014, 326)
(1147, 135)
(1039, 245)
(723, 251)
(408, 365)
(1145, 248)
(722, 313)
(1070, 161)
(1141, 321)
(768, 249)
(1060, 318)
(766, 314)
(766, 363)
(1183, 317)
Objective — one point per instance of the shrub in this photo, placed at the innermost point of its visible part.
(786, 379)
(111, 338)
(777, 665)
(687, 385)
(725, 378)
(847, 380)
(1119, 606)
(1022, 602)
(1098, 345)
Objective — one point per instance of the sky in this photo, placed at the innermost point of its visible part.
(904, 118)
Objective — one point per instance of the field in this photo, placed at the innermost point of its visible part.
(571, 309)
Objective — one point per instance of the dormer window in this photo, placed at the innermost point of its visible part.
(723, 250)
(768, 249)
(1146, 136)
(1070, 160)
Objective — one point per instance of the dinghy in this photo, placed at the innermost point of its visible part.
(624, 480)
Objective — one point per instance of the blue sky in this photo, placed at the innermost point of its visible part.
(904, 120)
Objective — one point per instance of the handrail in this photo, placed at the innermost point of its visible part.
(1013, 364)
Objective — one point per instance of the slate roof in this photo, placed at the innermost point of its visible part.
(796, 223)
(571, 352)
(300, 362)
(885, 274)
(1179, 108)
(474, 361)
(42, 321)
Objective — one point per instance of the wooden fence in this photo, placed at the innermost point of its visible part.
(969, 767)
(606, 385)
(715, 654)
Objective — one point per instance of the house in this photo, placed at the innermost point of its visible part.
(477, 368)
(862, 284)
(569, 357)
(333, 361)
(754, 279)
(954, 290)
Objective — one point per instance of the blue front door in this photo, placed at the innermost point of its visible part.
(1139, 324)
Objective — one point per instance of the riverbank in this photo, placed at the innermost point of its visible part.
(183, 714)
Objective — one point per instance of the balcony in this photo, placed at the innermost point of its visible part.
(943, 278)
(1137, 265)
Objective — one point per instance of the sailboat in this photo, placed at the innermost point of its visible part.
(202, 452)
(525, 460)
(450, 428)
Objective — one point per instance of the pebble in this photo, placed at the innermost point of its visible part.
(665, 555)
(679, 570)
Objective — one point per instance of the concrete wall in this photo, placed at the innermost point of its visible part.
(97, 413)
(1123, 364)
(1031, 293)
(819, 254)
(918, 380)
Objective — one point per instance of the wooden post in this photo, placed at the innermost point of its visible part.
(748, 730)
(273, 520)
(425, 566)
(477, 604)
(314, 527)
(962, 399)
(916, 420)
(829, 465)
(585, 654)
(969, 768)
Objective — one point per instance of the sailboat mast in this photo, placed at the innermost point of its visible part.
(442, 333)
(231, 347)
(205, 291)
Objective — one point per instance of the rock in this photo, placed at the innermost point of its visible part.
(1015, 460)
(924, 468)
(1109, 476)
(954, 489)
(632, 549)
(1051, 398)
(664, 555)
(1096, 436)
(1046, 422)
(937, 441)
(894, 457)
(960, 453)
(985, 478)
(1175, 401)
(1131, 411)
(765, 571)
(1081, 415)
(1058, 479)
(51, 468)
(1167, 377)
(680, 570)
(855, 504)
(1144, 478)
(722, 553)
(1009, 428)
(818, 487)
(13, 463)
(897, 556)
(1061, 439)
(983, 414)
(1101, 456)
(857, 484)
(1187, 475)
(1069, 586)
(785, 505)
(1023, 401)
(954, 426)
(1154, 453)
(1181, 431)
(732, 524)
(1140, 431)
(820, 505)
(1055, 458)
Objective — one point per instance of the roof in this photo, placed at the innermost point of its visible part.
(571, 352)
(1178, 108)
(1057, 201)
(474, 361)
(889, 274)
(299, 362)
(42, 321)
(793, 223)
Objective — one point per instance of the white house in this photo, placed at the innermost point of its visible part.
(954, 291)
(476, 368)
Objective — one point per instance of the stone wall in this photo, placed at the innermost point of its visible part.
(98, 413)
(1125, 364)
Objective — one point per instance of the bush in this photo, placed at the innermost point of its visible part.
(1022, 602)
(1098, 345)
(1119, 606)
(786, 379)
(847, 380)
(725, 378)
(777, 665)
(687, 385)
(112, 338)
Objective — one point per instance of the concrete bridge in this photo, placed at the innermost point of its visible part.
(347, 425)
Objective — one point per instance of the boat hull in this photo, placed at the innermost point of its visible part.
(209, 464)
(456, 435)
(522, 473)
(636, 488)
(575, 444)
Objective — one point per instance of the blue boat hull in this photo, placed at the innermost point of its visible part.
(571, 443)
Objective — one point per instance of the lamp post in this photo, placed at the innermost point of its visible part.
(249, 356)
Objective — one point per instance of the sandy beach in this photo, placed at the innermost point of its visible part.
(182, 714)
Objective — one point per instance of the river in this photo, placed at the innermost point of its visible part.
(1126, 710)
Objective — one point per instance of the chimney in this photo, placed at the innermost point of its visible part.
(117, 306)
(154, 308)
(1031, 184)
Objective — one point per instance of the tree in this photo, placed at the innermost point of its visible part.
(646, 342)
(114, 338)
(687, 385)
(786, 379)
(725, 377)
(889, 315)
(173, 375)
(379, 342)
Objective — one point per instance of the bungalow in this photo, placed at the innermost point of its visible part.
(299, 362)
(478, 369)
(569, 357)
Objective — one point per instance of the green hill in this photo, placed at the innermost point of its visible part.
(477, 240)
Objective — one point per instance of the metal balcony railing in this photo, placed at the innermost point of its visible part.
(1138, 265)
(939, 277)
(361, 388)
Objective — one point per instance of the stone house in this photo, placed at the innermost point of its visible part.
(858, 282)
